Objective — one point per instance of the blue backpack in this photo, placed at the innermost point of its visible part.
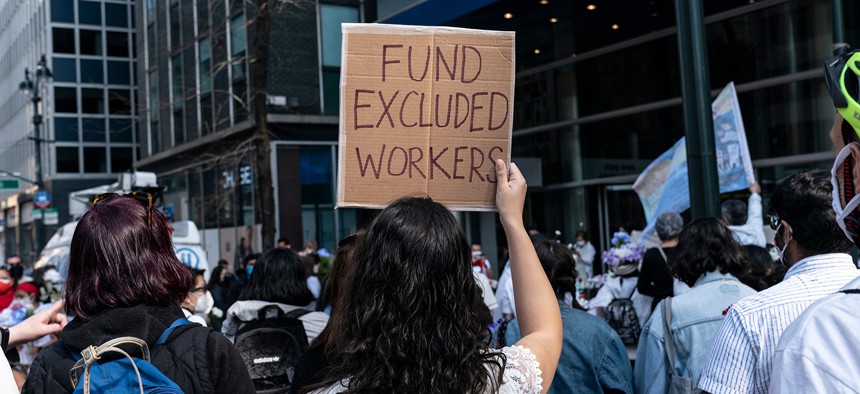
(125, 375)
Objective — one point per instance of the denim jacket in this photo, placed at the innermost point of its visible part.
(696, 316)
(593, 359)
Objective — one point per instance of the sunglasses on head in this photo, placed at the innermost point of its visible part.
(146, 199)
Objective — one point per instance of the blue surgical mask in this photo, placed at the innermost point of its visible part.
(248, 270)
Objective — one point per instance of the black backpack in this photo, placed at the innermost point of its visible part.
(271, 346)
(621, 316)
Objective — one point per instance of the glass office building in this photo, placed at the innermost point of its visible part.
(598, 94)
(88, 107)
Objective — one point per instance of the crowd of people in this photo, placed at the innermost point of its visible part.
(408, 305)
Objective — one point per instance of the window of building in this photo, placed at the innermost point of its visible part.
(119, 101)
(92, 101)
(66, 129)
(93, 129)
(177, 81)
(205, 65)
(65, 100)
(67, 159)
(117, 44)
(95, 160)
(331, 16)
(118, 73)
(64, 40)
(91, 42)
(153, 95)
(178, 127)
(202, 15)
(120, 130)
(150, 11)
(116, 15)
(175, 27)
(92, 71)
(120, 159)
(89, 13)
(65, 70)
(238, 46)
(62, 11)
(152, 45)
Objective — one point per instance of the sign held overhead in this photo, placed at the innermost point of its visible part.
(424, 111)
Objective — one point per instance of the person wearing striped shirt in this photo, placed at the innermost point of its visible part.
(814, 248)
(820, 351)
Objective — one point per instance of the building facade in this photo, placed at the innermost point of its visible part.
(88, 127)
(598, 94)
(198, 129)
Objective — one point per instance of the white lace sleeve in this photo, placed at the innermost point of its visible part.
(522, 372)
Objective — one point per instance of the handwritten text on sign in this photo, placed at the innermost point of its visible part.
(424, 111)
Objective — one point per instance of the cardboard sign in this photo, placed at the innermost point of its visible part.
(424, 111)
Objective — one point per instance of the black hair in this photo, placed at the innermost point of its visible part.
(409, 321)
(735, 212)
(706, 245)
(215, 276)
(559, 267)
(804, 201)
(285, 240)
(761, 268)
(249, 258)
(279, 276)
(582, 233)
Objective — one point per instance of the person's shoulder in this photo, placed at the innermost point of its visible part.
(314, 316)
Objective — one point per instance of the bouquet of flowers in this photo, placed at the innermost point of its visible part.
(622, 251)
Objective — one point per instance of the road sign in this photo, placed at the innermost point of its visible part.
(36, 214)
(42, 199)
(51, 217)
(8, 184)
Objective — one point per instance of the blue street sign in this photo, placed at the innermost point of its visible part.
(42, 199)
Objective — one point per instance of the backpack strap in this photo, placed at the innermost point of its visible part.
(92, 354)
(668, 338)
(297, 313)
(166, 334)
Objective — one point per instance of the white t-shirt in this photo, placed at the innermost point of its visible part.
(521, 375)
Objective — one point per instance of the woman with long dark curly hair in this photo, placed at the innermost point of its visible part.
(409, 323)
(710, 260)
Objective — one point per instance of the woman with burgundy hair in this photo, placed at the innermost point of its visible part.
(124, 280)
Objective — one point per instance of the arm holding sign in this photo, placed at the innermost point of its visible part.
(537, 308)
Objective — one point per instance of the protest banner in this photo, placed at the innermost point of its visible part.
(665, 186)
(424, 111)
(734, 165)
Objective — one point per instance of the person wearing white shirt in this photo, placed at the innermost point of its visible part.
(813, 247)
(584, 252)
(820, 351)
(745, 220)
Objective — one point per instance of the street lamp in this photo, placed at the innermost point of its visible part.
(31, 86)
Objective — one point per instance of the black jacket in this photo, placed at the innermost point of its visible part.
(196, 358)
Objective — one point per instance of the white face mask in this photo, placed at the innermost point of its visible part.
(580, 243)
(204, 304)
(843, 213)
(26, 302)
(781, 251)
